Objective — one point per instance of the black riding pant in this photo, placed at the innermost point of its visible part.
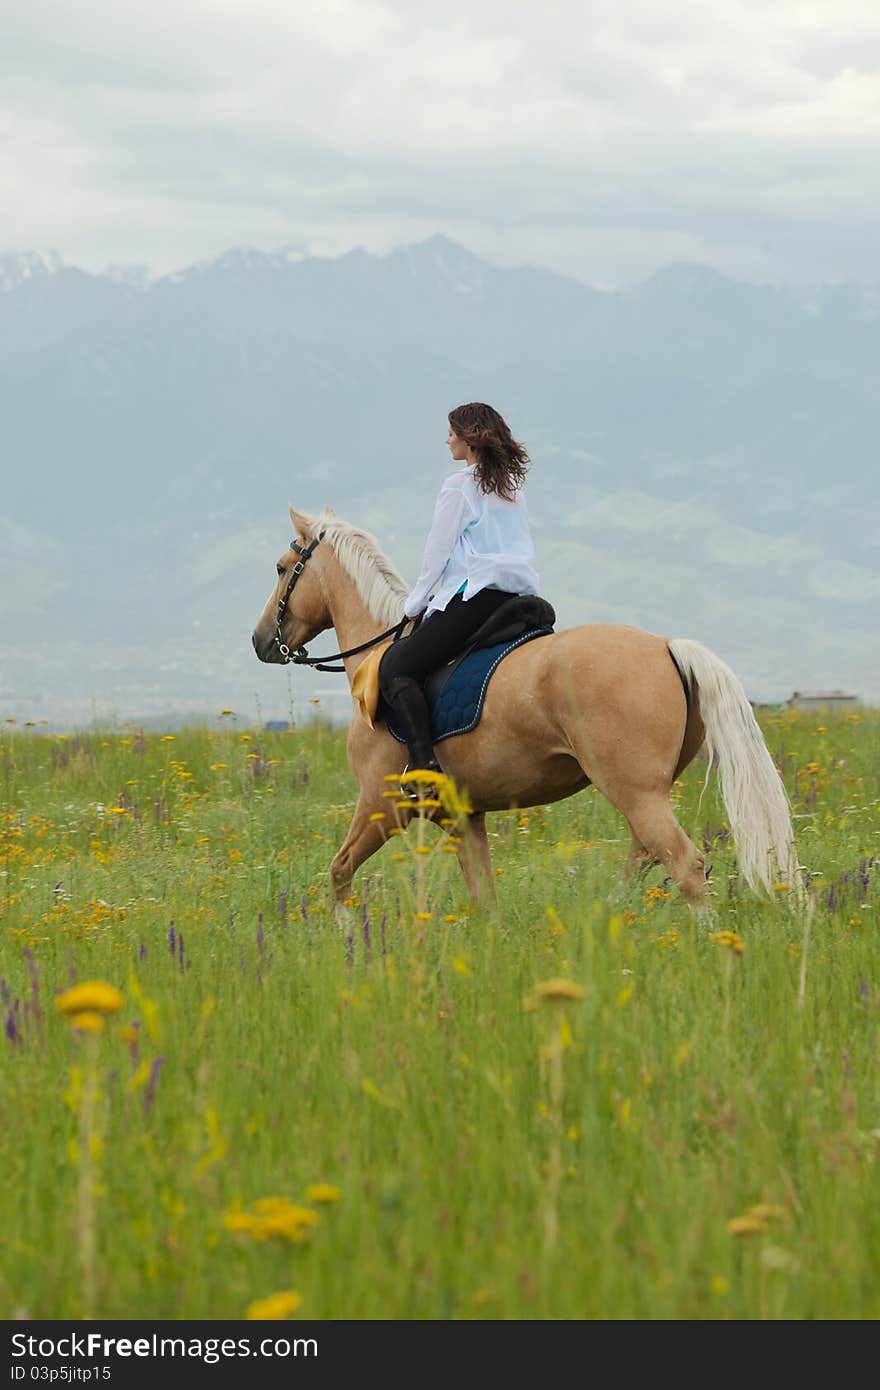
(406, 664)
(438, 638)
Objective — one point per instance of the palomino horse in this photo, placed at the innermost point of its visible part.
(601, 704)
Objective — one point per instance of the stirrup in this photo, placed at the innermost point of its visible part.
(420, 791)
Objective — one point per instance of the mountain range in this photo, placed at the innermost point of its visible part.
(703, 461)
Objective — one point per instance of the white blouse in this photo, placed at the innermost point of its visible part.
(477, 541)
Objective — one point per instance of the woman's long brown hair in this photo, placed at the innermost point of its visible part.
(502, 463)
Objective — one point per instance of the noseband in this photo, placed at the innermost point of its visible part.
(301, 657)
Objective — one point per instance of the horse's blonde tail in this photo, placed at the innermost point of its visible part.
(755, 798)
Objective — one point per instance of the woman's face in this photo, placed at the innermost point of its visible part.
(457, 447)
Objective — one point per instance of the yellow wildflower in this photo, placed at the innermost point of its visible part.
(93, 996)
(768, 1211)
(88, 1021)
(423, 777)
(277, 1305)
(730, 940)
(553, 992)
(272, 1216)
(322, 1192)
(746, 1226)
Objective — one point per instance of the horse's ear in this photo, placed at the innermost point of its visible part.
(328, 510)
(301, 524)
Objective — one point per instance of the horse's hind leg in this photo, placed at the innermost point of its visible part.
(654, 827)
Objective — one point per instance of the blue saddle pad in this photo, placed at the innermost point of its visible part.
(459, 705)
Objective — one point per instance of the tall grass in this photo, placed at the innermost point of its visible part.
(687, 1126)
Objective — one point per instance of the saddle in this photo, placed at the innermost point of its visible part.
(524, 614)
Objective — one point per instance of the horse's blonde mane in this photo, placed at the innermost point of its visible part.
(378, 583)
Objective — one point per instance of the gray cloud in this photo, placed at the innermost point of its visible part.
(601, 142)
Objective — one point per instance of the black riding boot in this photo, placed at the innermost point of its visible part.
(413, 718)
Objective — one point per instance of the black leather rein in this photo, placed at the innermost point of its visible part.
(301, 657)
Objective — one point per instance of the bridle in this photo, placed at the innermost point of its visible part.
(301, 657)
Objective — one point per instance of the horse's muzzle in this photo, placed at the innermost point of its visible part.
(266, 649)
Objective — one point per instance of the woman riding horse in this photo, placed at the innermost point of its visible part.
(604, 704)
(478, 554)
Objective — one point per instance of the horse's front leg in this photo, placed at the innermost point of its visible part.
(366, 833)
(473, 856)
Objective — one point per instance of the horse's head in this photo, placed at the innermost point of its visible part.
(297, 609)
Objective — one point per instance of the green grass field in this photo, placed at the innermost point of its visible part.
(394, 1119)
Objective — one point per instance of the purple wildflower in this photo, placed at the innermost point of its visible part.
(35, 983)
(150, 1088)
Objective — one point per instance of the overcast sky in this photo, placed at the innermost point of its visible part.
(600, 138)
